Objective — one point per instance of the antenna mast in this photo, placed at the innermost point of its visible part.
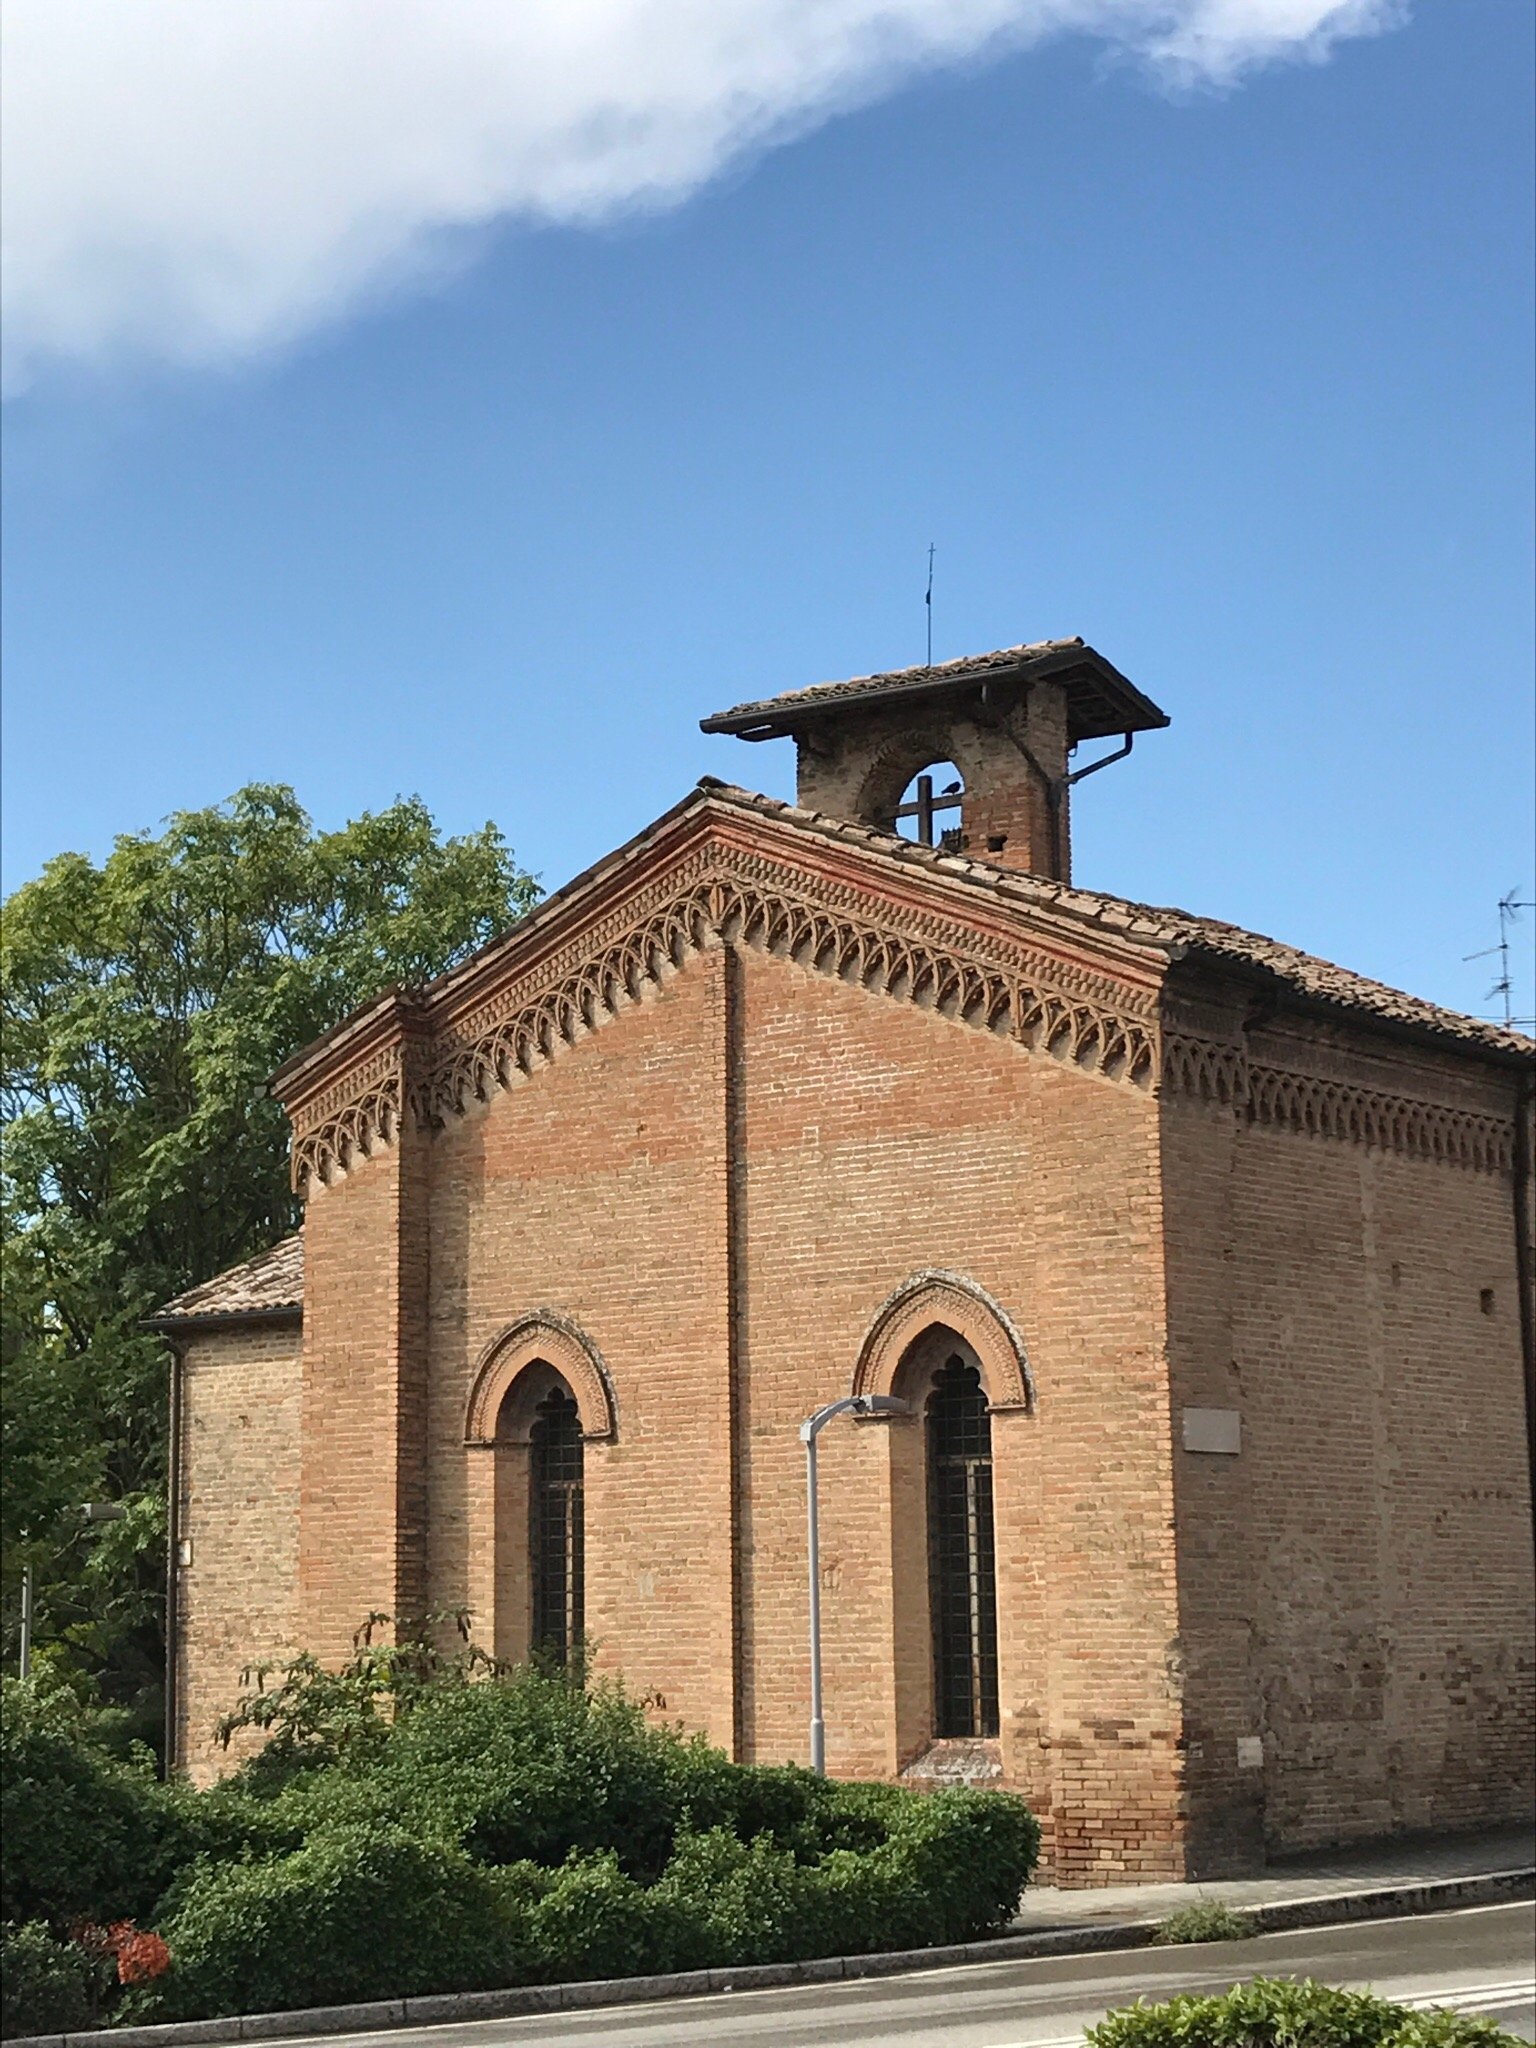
(1510, 907)
(928, 601)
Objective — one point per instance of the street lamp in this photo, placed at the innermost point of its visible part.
(90, 1512)
(851, 1404)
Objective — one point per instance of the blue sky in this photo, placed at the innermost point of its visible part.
(1233, 382)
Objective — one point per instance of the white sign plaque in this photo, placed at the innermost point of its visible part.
(1219, 1430)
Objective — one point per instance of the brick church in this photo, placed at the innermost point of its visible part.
(1200, 1267)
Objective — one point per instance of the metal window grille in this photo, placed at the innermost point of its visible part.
(555, 1534)
(962, 1558)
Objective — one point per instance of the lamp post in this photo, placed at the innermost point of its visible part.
(26, 1620)
(90, 1512)
(810, 1429)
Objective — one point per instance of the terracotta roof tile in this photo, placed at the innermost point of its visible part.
(270, 1284)
(1101, 701)
(1177, 931)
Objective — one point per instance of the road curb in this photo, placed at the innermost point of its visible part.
(1327, 1909)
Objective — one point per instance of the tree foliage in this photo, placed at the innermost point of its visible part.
(144, 1003)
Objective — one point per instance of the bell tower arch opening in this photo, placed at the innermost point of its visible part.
(1004, 726)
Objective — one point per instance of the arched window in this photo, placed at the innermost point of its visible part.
(962, 1561)
(555, 1534)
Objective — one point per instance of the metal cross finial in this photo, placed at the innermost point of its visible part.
(928, 806)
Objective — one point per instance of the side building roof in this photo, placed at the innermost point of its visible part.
(266, 1289)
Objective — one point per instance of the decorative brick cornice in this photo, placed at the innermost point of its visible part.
(1313, 1105)
(906, 948)
(721, 897)
(360, 1106)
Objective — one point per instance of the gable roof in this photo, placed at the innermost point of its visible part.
(1166, 932)
(1178, 933)
(268, 1288)
(1101, 701)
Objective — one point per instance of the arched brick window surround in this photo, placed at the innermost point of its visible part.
(525, 1361)
(936, 1297)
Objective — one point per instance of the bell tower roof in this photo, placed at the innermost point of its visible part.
(1100, 702)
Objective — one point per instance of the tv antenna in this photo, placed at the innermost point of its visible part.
(928, 601)
(1503, 990)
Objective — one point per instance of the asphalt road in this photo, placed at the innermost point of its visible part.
(1481, 1960)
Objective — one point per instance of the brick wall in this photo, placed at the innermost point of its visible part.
(869, 1139)
(720, 1187)
(880, 1139)
(240, 1512)
(1356, 1584)
(598, 1190)
(363, 1543)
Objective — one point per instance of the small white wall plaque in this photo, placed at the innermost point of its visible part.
(1250, 1752)
(1219, 1430)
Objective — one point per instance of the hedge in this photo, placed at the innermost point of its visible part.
(47, 1986)
(369, 1911)
(87, 1835)
(358, 1913)
(1278, 2013)
(517, 1830)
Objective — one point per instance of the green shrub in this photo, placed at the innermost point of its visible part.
(951, 1869)
(738, 1903)
(82, 1833)
(538, 1769)
(968, 1855)
(1276, 2013)
(447, 1835)
(47, 1986)
(369, 1910)
(530, 1770)
(592, 1919)
(86, 1835)
(1207, 1920)
(358, 1913)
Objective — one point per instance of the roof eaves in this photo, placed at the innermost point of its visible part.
(773, 717)
(1174, 934)
(1466, 1034)
(417, 997)
(222, 1319)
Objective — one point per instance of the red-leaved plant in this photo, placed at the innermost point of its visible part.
(139, 1953)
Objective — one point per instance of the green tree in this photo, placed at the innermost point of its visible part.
(144, 1003)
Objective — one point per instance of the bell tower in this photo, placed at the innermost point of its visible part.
(1008, 721)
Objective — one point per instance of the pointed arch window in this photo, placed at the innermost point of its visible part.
(556, 1535)
(962, 1557)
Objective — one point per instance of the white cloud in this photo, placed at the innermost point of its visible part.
(200, 180)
